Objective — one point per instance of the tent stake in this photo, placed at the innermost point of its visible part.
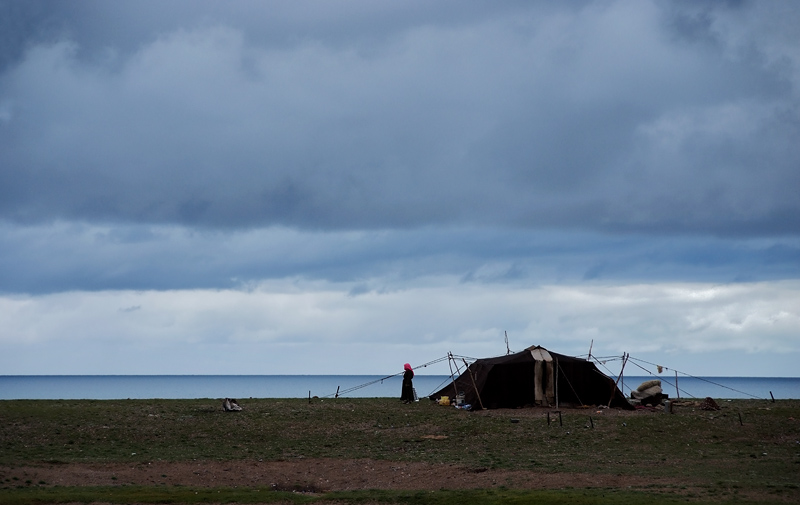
(677, 391)
(591, 422)
(548, 419)
(773, 398)
(337, 392)
(473, 383)
(560, 421)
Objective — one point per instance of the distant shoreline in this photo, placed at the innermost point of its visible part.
(108, 387)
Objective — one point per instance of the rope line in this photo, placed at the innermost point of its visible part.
(700, 378)
(603, 363)
(568, 382)
(688, 394)
(600, 360)
(370, 383)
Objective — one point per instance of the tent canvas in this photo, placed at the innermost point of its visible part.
(531, 377)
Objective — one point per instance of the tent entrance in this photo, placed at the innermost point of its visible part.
(544, 377)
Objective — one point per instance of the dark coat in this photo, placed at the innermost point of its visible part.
(407, 393)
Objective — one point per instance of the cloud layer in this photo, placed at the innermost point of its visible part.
(611, 116)
(67, 256)
(259, 330)
(361, 179)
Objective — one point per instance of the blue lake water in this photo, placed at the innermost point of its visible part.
(106, 387)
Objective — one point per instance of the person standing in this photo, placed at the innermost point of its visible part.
(407, 393)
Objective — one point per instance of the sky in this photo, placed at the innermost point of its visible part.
(340, 187)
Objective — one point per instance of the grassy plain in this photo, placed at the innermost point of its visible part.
(747, 452)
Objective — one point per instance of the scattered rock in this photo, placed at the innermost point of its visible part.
(709, 404)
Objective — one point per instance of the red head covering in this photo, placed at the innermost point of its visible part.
(407, 367)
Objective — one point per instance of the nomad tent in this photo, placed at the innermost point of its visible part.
(532, 377)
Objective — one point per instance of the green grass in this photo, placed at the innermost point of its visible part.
(710, 449)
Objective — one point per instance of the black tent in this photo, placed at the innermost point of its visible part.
(532, 377)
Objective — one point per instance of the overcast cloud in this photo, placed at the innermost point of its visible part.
(369, 183)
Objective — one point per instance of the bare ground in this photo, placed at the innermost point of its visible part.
(311, 475)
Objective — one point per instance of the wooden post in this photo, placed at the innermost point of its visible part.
(473, 383)
(309, 396)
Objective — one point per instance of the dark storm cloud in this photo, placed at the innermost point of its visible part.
(68, 257)
(97, 26)
(615, 116)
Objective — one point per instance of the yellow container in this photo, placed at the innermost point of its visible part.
(445, 400)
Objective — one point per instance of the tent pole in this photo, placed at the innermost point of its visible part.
(452, 376)
(624, 360)
(473, 383)
(556, 384)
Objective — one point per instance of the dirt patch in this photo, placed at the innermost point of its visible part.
(310, 475)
